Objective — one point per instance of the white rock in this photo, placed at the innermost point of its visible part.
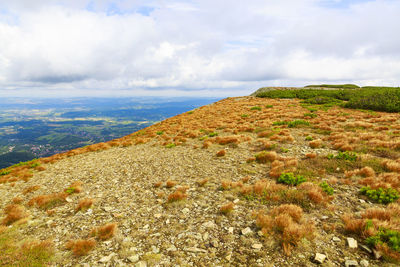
(107, 209)
(335, 239)
(196, 250)
(236, 201)
(133, 258)
(158, 215)
(141, 264)
(230, 230)
(352, 242)
(246, 231)
(205, 236)
(364, 263)
(209, 224)
(107, 258)
(351, 263)
(185, 211)
(320, 258)
(172, 248)
(257, 246)
(68, 199)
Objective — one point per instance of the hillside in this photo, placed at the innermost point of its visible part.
(245, 181)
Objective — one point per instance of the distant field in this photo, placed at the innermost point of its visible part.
(31, 128)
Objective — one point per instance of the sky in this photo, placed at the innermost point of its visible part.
(51, 48)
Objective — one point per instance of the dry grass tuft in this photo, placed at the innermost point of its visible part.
(221, 153)
(202, 182)
(80, 247)
(177, 196)
(14, 212)
(75, 187)
(311, 155)
(316, 143)
(84, 204)
(287, 223)
(266, 156)
(104, 232)
(227, 208)
(48, 201)
(157, 184)
(170, 183)
(17, 200)
(30, 189)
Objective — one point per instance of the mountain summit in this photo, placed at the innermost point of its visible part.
(245, 181)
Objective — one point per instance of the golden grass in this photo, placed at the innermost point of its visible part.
(80, 247)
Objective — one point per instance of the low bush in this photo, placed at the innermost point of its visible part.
(380, 195)
(80, 247)
(104, 232)
(291, 179)
(327, 189)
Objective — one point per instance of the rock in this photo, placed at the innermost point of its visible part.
(172, 248)
(257, 246)
(155, 250)
(133, 258)
(107, 209)
(365, 248)
(364, 263)
(319, 258)
(324, 217)
(230, 230)
(158, 215)
(209, 224)
(260, 233)
(236, 201)
(335, 239)
(68, 199)
(361, 200)
(141, 264)
(350, 263)
(246, 231)
(377, 254)
(205, 236)
(214, 243)
(196, 250)
(108, 258)
(185, 211)
(352, 242)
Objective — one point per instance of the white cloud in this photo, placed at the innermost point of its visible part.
(137, 46)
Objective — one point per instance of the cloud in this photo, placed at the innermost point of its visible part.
(115, 47)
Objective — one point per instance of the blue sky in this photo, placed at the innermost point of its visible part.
(197, 47)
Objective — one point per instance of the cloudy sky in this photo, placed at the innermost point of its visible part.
(194, 47)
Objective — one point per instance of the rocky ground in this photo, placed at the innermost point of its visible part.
(152, 231)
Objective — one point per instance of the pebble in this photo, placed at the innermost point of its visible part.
(141, 264)
(257, 246)
(133, 258)
(364, 263)
(335, 239)
(319, 258)
(108, 258)
(230, 230)
(107, 209)
(351, 263)
(377, 254)
(246, 231)
(352, 242)
(185, 211)
(236, 201)
(365, 248)
(196, 250)
(209, 224)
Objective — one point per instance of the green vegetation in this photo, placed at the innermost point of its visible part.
(311, 115)
(290, 179)
(385, 236)
(342, 86)
(309, 138)
(269, 106)
(171, 145)
(327, 189)
(28, 254)
(344, 155)
(244, 115)
(160, 132)
(369, 98)
(292, 124)
(380, 195)
(213, 134)
(255, 108)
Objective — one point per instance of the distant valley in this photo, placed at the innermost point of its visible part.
(32, 128)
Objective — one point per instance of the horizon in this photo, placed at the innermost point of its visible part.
(195, 48)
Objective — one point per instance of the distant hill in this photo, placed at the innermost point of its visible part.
(12, 158)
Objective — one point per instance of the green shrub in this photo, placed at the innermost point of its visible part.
(290, 179)
(311, 115)
(255, 108)
(212, 134)
(296, 123)
(244, 115)
(269, 106)
(276, 123)
(159, 132)
(327, 189)
(170, 145)
(380, 195)
(4, 172)
(344, 155)
(343, 86)
(385, 236)
(309, 138)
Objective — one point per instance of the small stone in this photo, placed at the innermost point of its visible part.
(141, 264)
(257, 246)
(205, 236)
(377, 254)
(172, 248)
(158, 215)
(133, 258)
(228, 257)
(107, 209)
(185, 211)
(196, 250)
(350, 263)
(260, 233)
(108, 258)
(246, 231)
(68, 199)
(319, 258)
(352, 242)
(230, 230)
(214, 243)
(324, 217)
(364, 263)
(361, 200)
(155, 249)
(209, 224)
(365, 248)
(335, 239)
(236, 201)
